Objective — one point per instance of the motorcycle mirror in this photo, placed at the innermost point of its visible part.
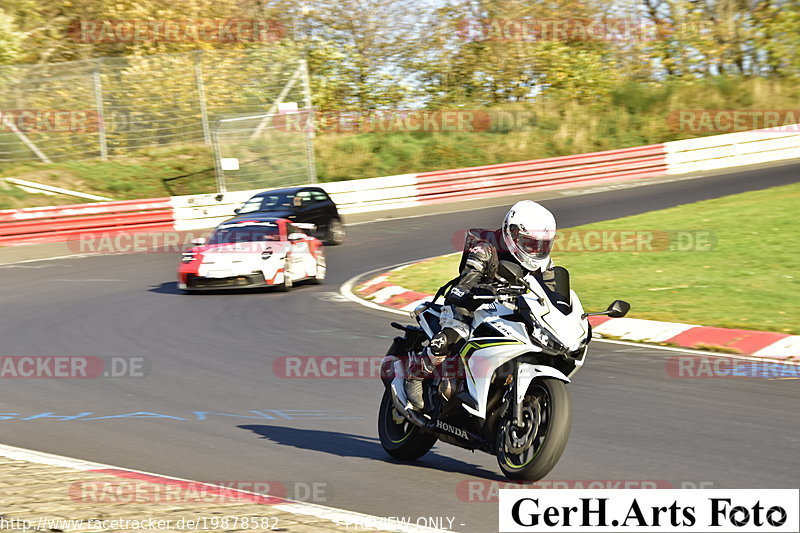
(618, 309)
(508, 271)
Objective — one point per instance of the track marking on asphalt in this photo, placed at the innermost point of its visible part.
(331, 297)
(346, 290)
(74, 256)
(16, 264)
(13, 265)
(338, 516)
(84, 280)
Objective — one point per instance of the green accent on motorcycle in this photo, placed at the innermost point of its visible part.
(472, 346)
(401, 440)
(399, 424)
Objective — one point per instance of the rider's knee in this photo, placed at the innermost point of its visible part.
(442, 343)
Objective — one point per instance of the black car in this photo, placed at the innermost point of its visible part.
(310, 205)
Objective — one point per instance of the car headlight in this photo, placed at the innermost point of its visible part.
(188, 257)
(266, 254)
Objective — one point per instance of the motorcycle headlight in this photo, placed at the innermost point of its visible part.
(538, 332)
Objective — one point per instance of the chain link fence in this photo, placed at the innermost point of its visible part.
(272, 149)
(108, 107)
(260, 152)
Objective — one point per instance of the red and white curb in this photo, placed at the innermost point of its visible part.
(337, 516)
(379, 292)
(767, 344)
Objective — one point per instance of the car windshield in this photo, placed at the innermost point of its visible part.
(269, 202)
(266, 231)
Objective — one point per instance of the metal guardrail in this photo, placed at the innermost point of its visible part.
(73, 222)
(556, 172)
(201, 211)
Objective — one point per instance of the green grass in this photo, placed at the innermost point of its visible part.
(747, 278)
(634, 114)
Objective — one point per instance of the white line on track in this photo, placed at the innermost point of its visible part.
(16, 264)
(12, 265)
(84, 280)
(338, 516)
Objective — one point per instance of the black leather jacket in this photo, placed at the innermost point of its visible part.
(483, 252)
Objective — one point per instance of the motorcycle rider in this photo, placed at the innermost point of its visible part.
(526, 239)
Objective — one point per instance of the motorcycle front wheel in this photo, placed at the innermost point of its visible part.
(530, 452)
(400, 438)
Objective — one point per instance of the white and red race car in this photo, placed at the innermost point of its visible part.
(252, 253)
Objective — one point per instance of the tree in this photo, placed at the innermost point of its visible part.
(10, 39)
(489, 52)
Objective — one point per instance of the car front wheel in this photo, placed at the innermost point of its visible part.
(287, 280)
(336, 232)
(319, 274)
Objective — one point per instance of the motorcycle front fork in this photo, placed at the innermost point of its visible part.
(518, 421)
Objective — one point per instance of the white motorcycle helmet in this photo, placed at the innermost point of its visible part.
(529, 231)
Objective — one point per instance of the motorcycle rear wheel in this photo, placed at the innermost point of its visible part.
(531, 452)
(399, 437)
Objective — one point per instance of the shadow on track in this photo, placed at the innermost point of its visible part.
(346, 445)
(171, 287)
(168, 287)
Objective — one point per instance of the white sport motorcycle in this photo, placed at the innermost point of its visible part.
(504, 393)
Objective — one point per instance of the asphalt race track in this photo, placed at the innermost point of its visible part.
(215, 353)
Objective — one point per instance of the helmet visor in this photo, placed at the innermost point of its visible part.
(535, 248)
